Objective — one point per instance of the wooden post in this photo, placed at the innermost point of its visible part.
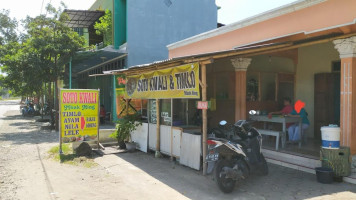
(276, 87)
(259, 87)
(205, 117)
(158, 130)
(56, 104)
(171, 129)
(127, 107)
(98, 133)
(214, 85)
(60, 131)
(70, 73)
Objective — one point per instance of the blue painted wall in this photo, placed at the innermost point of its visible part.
(153, 24)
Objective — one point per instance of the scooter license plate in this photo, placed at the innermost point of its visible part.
(212, 157)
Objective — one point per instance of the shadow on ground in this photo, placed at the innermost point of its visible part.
(22, 130)
(31, 137)
(281, 183)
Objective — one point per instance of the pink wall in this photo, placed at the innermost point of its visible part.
(323, 15)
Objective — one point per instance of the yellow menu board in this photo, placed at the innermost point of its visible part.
(79, 115)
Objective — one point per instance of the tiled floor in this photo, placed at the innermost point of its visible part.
(310, 148)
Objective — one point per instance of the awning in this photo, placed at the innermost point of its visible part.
(198, 58)
(238, 52)
(82, 18)
(87, 60)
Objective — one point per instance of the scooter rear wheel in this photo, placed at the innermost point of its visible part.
(226, 185)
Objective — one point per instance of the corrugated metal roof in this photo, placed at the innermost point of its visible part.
(82, 18)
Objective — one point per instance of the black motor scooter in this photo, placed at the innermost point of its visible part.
(234, 159)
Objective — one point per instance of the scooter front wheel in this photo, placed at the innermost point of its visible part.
(226, 185)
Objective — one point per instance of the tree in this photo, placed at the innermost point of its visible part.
(104, 27)
(54, 42)
(7, 37)
(47, 45)
(7, 28)
(3, 91)
(17, 66)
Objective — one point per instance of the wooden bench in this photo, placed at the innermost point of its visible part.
(278, 134)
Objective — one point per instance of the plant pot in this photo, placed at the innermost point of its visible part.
(324, 175)
(130, 146)
(122, 145)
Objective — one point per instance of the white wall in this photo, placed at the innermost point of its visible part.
(311, 60)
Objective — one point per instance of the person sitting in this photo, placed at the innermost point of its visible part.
(102, 114)
(288, 108)
(293, 131)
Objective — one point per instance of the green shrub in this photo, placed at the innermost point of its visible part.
(125, 126)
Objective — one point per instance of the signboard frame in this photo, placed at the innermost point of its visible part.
(180, 82)
(60, 114)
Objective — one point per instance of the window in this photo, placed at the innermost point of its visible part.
(118, 62)
(79, 31)
(152, 111)
(185, 112)
(165, 112)
(123, 64)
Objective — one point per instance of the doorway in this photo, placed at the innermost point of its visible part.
(326, 101)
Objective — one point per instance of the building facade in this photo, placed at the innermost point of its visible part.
(318, 21)
(141, 31)
(304, 50)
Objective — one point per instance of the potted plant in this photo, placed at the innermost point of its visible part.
(124, 127)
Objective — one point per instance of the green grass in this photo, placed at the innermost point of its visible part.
(69, 157)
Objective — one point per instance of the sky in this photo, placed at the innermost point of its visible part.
(231, 10)
(236, 10)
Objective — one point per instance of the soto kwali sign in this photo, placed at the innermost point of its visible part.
(177, 82)
(79, 115)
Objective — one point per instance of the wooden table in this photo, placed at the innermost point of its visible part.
(279, 119)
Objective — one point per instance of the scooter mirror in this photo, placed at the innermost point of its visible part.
(223, 123)
(252, 112)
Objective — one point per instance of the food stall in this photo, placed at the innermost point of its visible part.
(168, 99)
